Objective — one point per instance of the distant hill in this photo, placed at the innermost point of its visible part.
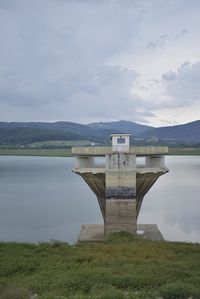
(122, 126)
(186, 132)
(24, 133)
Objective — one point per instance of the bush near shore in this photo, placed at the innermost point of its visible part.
(124, 266)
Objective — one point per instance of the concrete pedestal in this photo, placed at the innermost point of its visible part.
(120, 216)
(95, 232)
(120, 178)
(120, 186)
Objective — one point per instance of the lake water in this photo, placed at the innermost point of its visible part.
(41, 199)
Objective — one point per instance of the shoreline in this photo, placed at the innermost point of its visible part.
(67, 152)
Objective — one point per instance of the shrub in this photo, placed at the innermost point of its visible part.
(175, 291)
(195, 292)
(113, 294)
(144, 294)
(15, 293)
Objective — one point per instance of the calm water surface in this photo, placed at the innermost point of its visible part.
(41, 199)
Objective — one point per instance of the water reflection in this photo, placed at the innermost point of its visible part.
(173, 202)
(41, 199)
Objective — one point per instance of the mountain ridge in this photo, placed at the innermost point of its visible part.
(24, 133)
(123, 126)
(187, 131)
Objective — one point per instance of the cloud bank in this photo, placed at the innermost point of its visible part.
(93, 60)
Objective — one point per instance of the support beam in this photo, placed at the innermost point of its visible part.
(85, 162)
(120, 176)
(155, 161)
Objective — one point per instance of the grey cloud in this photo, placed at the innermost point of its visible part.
(103, 93)
(164, 39)
(53, 59)
(183, 86)
(160, 43)
(7, 4)
(55, 55)
(166, 121)
(151, 45)
(169, 76)
(182, 33)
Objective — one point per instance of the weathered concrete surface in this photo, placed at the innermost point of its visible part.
(120, 216)
(91, 232)
(123, 161)
(99, 151)
(121, 186)
(96, 181)
(145, 178)
(149, 231)
(85, 161)
(155, 161)
(120, 177)
(139, 169)
(95, 232)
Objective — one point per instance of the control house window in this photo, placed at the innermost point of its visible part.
(120, 140)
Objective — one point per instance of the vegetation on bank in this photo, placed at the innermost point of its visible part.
(59, 143)
(184, 151)
(36, 152)
(25, 133)
(124, 266)
(60, 152)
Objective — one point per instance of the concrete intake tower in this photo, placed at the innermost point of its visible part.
(120, 185)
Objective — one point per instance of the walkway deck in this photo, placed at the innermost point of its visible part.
(100, 151)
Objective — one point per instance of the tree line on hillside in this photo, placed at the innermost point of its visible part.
(23, 134)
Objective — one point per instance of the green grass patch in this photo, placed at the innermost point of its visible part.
(37, 152)
(184, 151)
(122, 267)
(57, 143)
(68, 153)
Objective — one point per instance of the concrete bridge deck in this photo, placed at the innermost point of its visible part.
(100, 151)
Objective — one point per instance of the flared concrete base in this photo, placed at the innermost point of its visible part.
(95, 232)
(91, 232)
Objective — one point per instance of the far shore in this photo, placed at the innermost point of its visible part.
(68, 153)
(36, 152)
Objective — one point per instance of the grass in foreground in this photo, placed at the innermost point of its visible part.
(122, 267)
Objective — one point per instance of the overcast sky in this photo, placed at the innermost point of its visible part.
(100, 60)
